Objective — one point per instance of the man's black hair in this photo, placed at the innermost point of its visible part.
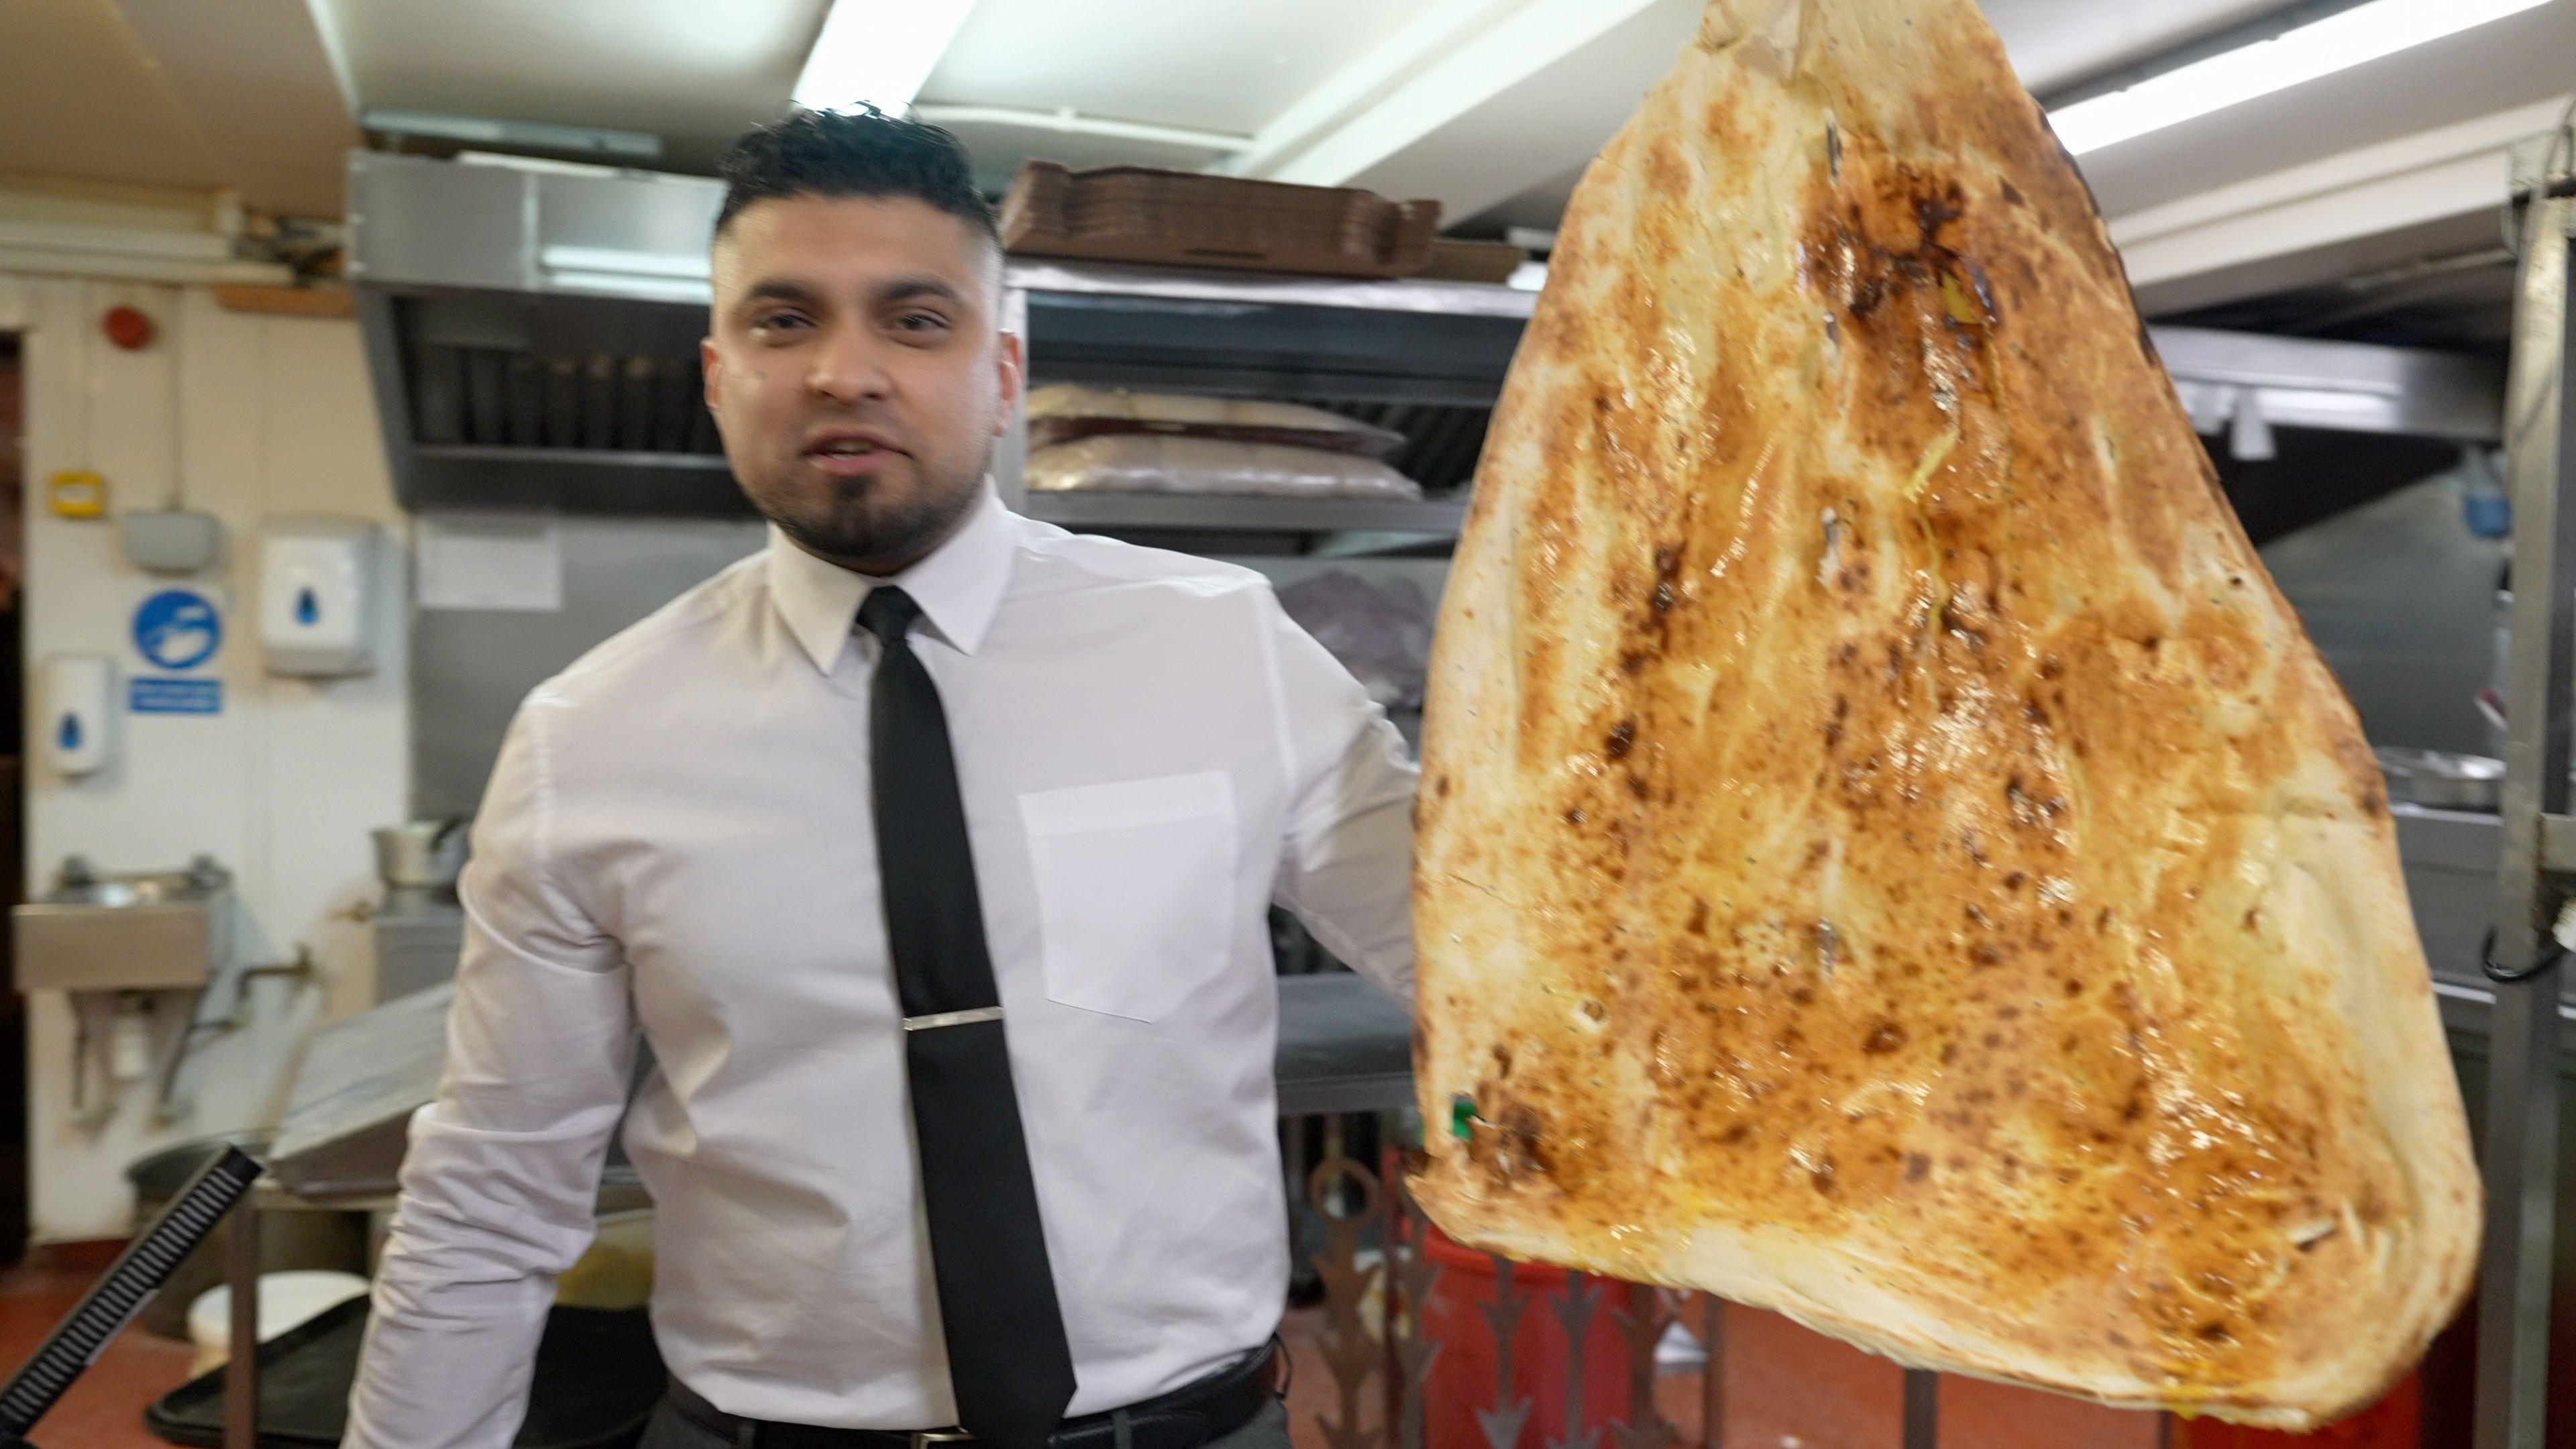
(862, 152)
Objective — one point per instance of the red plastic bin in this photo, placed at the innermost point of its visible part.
(2395, 1422)
(1461, 1380)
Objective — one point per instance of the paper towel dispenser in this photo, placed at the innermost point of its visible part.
(318, 582)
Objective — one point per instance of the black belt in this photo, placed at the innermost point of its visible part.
(1185, 1418)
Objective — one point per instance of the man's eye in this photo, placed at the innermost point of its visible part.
(776, 322)
(921, 322)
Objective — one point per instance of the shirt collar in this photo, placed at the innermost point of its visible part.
(959, 586)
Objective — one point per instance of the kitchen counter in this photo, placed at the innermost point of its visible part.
(1344, 1046)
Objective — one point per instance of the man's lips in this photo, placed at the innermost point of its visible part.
(850, 452)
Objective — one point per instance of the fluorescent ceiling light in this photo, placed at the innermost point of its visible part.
(1074, 123)
(653, 276)
(626, 284)
(2340, 41)
(877, 52)
(617, 261)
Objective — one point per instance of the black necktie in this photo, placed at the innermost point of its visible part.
(1007, 1359)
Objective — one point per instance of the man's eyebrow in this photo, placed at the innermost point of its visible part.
(907, 289)
(777, 289)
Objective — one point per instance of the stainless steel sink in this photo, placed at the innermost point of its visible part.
(148, 931)
(146, 890)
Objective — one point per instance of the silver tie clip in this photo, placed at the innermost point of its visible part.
(952, 1018)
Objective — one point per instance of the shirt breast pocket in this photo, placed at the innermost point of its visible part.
(1135, 887)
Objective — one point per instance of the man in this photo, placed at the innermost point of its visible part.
(930, 850)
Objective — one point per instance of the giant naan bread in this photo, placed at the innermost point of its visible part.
(1887, 853)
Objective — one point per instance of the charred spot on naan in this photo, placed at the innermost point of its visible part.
(1533, 1135)
(1665, 173)
(2009, 132)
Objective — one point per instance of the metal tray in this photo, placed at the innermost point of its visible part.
(1182, 218)
(2440, 780)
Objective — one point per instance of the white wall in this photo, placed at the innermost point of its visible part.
(255, 417)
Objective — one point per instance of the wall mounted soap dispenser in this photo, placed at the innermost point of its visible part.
(76, 706)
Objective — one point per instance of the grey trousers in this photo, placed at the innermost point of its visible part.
(669, 1429)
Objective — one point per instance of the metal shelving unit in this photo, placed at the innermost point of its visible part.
(1428, 354)
(2538, 871)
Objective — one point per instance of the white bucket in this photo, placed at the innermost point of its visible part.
(285, 1300)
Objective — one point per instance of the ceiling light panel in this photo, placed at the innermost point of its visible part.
(874, 53)
(2340, 41)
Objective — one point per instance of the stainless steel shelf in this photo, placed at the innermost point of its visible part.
(2352, 387)
(1449, 299)
(2469, 842)
(634, 236)
(635, 482)
(2468, 1008)
(577, 457)
(1204, 513)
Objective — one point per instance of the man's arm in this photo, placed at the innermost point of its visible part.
(502, 1177)
(1346, 867)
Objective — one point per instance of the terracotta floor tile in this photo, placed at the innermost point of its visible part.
(104, 1410)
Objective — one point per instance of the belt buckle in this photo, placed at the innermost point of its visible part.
(924, 1438)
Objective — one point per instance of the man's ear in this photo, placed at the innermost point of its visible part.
(1011, 362)
(708, 365)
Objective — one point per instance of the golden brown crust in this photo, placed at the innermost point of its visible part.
(1886, 852)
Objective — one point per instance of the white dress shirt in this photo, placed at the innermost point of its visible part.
(676, 837)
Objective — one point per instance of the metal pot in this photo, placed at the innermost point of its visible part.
(425, 854)
(2440, 780)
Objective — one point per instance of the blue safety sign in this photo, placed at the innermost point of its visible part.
(148, 695)
(178, 629)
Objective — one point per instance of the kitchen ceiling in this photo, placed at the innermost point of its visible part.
(1228, 67)
(86, 95)
(698, 74)
(2055, 44)
(2510, 62)
(87, 91)
(78, 98)
(695, 73)
(1491, 105)
(2058, 44)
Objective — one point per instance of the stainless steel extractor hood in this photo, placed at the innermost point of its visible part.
(533, 329)
(533, 333)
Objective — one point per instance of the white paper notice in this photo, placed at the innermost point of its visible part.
(490, 561)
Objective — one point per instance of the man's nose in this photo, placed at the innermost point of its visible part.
(846, 367)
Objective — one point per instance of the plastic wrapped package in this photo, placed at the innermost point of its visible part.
(1381, 633)
(1061, 412)
(1157, 463)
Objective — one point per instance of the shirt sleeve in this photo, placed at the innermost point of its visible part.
(500, 1185)
(1346, 866)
